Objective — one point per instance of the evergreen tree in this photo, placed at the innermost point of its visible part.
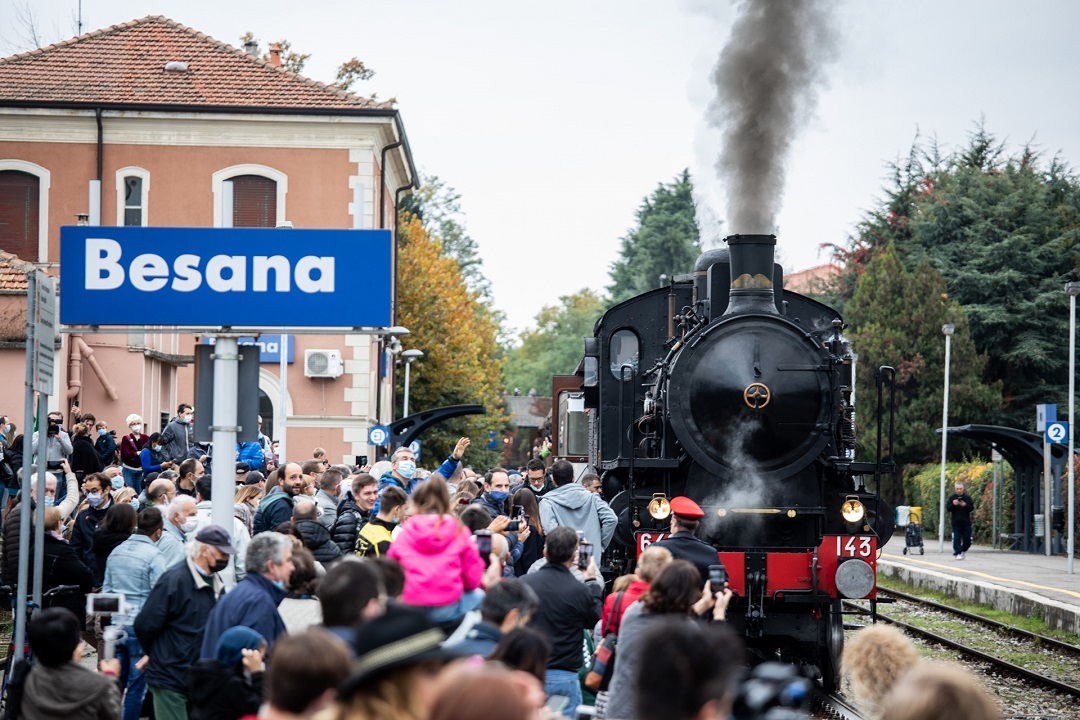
(1002, 229)
(895, 318)
(666, 241)
(556, 344)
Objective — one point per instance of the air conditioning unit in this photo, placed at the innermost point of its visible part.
(323, 364)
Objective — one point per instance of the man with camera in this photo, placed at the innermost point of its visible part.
(567, 607)
(57, 442)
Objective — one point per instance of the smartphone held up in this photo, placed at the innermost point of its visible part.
(585, 554)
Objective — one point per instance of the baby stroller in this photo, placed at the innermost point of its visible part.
(913, 532)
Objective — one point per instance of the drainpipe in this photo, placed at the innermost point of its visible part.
(79, 351)
(95, 185)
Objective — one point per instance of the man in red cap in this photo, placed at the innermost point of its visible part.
(683, 543)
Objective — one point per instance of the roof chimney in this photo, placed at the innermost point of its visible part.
(251, 47)
(275, 55)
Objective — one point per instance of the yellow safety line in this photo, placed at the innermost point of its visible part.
(953, 568)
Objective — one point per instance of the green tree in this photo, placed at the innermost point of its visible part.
(556, 344)
(895, 318)
(666, 240)
(439, 208)
(1002, 229)
(457, 338)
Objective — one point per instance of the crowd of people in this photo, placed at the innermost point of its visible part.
(356, 593)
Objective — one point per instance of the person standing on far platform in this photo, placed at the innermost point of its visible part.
(960, 506)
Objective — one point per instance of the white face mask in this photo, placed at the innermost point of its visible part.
(136, 429)
(190, 524)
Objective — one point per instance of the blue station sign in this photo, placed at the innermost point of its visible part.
(242, 277)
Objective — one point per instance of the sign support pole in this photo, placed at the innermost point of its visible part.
(39, 511)
(280, 430)
(28, 454)
(1047, 500)
(226, 358)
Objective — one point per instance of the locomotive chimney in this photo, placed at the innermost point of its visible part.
(751, 274)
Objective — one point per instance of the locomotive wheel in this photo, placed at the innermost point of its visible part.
(834, 648)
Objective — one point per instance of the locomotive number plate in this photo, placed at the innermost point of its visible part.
(645, 539)
(854, 546)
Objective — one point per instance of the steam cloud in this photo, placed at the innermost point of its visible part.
(766, 80)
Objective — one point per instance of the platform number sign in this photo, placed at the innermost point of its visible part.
(1057, 432)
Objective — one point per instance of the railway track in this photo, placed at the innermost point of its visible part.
(1005, 666)
(833, 705)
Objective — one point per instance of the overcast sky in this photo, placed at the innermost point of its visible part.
(554, 119)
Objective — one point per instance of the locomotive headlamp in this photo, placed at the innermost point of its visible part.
(852, 510)
(659, 507)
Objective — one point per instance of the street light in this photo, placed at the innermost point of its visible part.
(388, 339)
(408, 356)
(947, 329)
(1072, 290)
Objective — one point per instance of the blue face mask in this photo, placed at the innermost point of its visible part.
(406, 468)
(50, 501)
(103, 432)
(118, 482)
(499, 495)
(279, 584)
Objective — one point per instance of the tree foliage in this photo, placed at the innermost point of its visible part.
(896, 318)
(438, 206)
(1002, 229)
(556, 344)
(458, 339)
(666, 240)
(348, 73)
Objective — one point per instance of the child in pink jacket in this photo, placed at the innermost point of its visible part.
(443, 569)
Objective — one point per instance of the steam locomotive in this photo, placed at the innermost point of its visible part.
(728, 389)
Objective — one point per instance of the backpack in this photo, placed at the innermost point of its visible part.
(369, 538)
(599, 675)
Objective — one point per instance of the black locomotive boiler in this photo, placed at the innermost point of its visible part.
(730, 390)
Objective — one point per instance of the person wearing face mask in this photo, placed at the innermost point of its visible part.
(254, 601)
(169, 627)
(98, 501)
(181, 519)
(177, 436)
(130, 447)
(105, 444)
(152, 458)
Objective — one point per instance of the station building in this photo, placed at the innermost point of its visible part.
(151, 123)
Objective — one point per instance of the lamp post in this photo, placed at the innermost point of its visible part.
(387, 340)
(1072, 290)
(409, 356)
(947, 329)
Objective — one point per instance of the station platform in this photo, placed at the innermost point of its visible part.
(1024, 584)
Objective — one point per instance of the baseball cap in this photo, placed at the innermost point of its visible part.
(218, 537)
(254, 478)
(242, 467)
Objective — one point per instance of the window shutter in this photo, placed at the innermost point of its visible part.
(19, 214)
(254, 201)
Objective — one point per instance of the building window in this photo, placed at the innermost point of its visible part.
(249, 196)
(132, 195)
(20, 213)
(254, 201)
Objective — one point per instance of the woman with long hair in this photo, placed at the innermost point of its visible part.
(676, 593)
(443, 569)
(115, 528)
(532, 549)
(246, 503)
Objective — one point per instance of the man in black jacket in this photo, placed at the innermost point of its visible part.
(567, 607)
(354, 511)
(305, 517)
(276, 507)
(96, 489)
(960, 505)
(171, 623)
(686, 516)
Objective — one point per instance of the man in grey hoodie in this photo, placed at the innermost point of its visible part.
(572, 505)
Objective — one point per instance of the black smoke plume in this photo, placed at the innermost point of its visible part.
(766, 80)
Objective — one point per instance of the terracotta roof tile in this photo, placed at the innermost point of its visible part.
(125, 64)
(812, 280)
(13, 273)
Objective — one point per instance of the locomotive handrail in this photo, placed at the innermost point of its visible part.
(882, 372)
